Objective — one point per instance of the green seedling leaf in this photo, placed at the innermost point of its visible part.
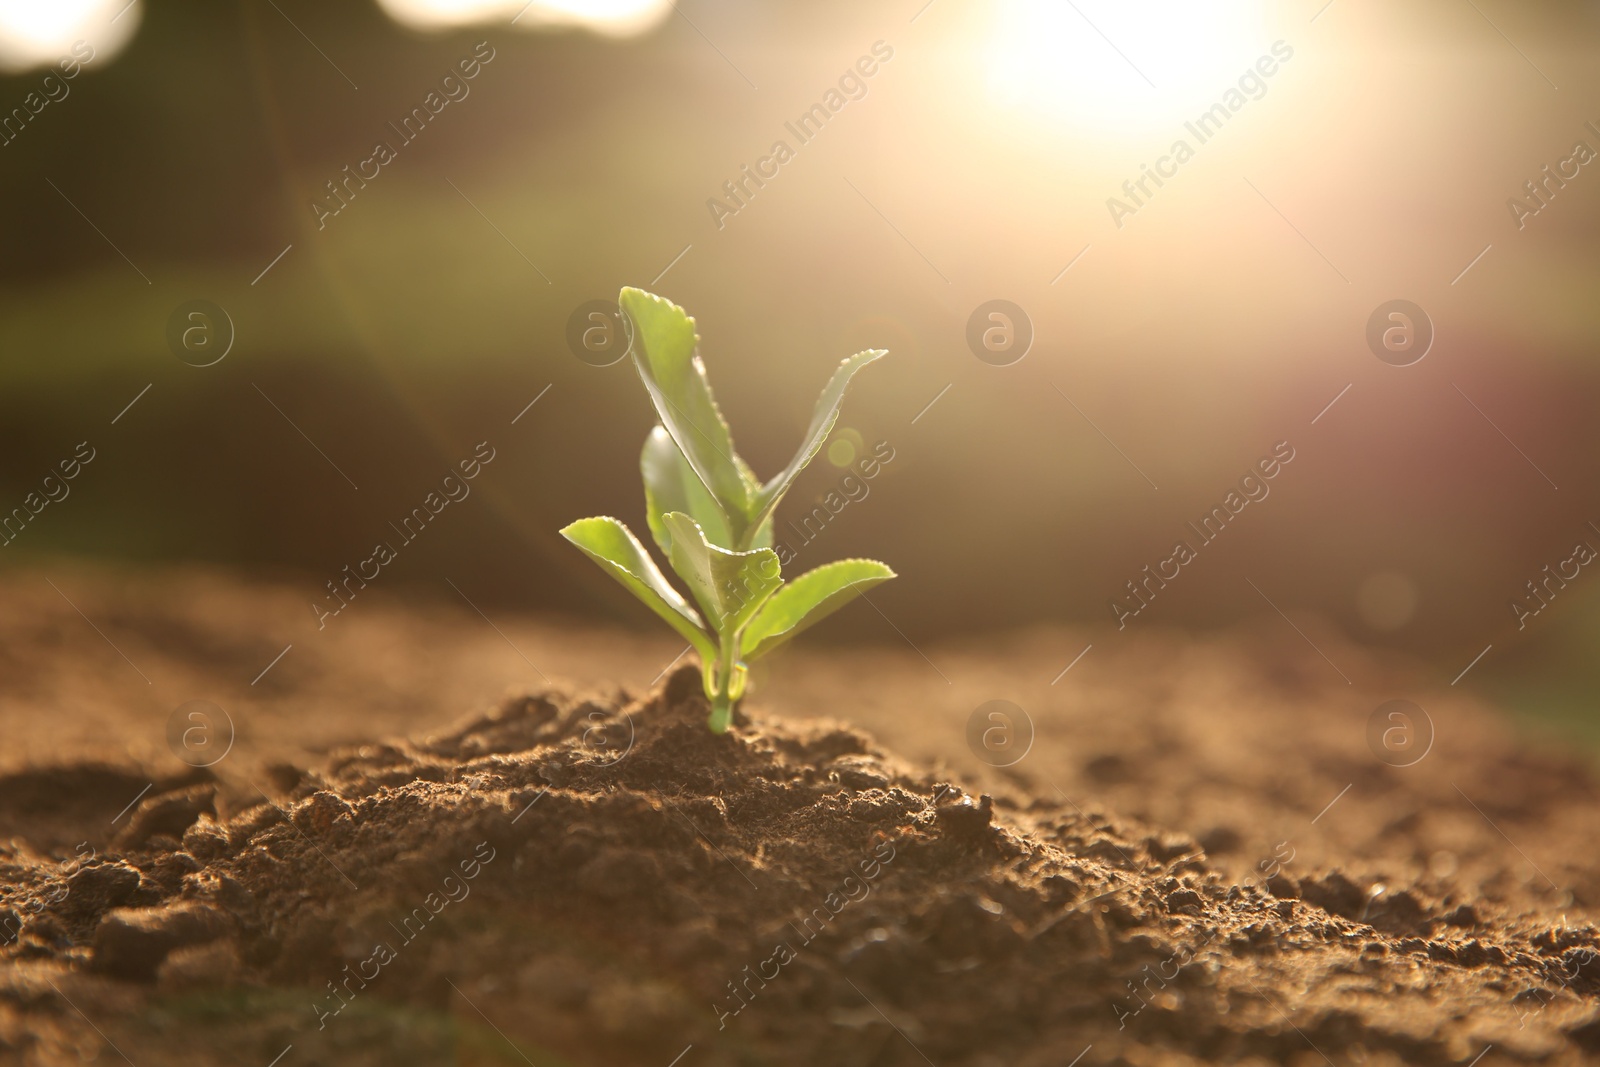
(670, 484)
(713, 518)
(613, 546)
(730, 586)
(808, 600)
(663, 350)
(823, 416)
(760, 536)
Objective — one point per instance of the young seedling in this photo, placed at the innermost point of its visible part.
(712, 517)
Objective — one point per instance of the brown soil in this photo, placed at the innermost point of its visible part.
(596, 879)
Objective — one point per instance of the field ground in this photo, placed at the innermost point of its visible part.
(838, 880)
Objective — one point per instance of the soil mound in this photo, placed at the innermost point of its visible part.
(604, 881)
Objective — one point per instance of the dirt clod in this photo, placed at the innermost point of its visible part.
(94, 889)
(133, 942)
(167, 815)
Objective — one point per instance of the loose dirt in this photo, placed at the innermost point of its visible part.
(1201, 862)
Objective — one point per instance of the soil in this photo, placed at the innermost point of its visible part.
(1200, 861)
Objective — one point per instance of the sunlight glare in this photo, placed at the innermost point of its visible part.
(1108, 65)
(617, 18)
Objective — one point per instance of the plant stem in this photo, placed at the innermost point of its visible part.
(722, 699)
(721, 714)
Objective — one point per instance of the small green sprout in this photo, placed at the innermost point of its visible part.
(712, 517)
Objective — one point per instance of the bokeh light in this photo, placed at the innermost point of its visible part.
(34, 34)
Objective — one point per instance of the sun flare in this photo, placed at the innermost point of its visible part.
(1109, 66)
(620, 18)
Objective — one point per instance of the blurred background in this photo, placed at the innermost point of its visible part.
(1178, 335)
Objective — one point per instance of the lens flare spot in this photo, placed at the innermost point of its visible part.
(844, 448)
